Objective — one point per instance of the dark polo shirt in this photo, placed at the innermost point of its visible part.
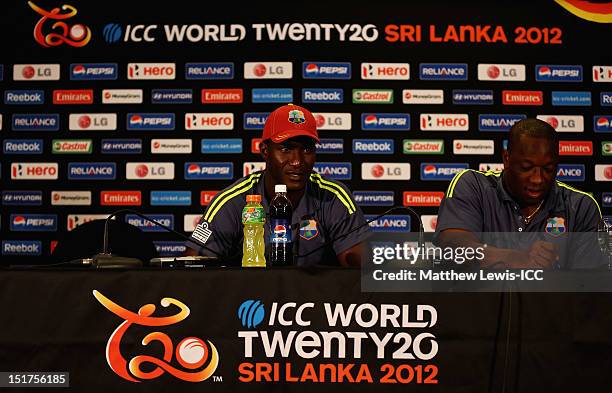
(478, 202)
(325, 211)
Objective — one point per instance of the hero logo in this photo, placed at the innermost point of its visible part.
(326, 70)
(602, 123)
(252, 167)
(36, 72)
(497, 122)
(564, 123)
(603, 172)
(602, 73)
(334, 170)
(385, 171)
(22, 146)
(420, 96)
(151, 71)
(501, 72)
(332, 96)
(373, 146)
(91, 171)
(21, 247)
(444, 122)
(150, 121)
(254, 121)
(209, 170)
(558, 73)
(267, 70)
(374, 198)
(575, 148)
(99, 71)
(391, 223)
(92, 121)
(209, 71)
(443, 71)
(74, 220)
(209, 121)
(423, 198)
(34, 222)
(332, 121)
(148, 226)
(149, 170)
(385, 121)
(570, 172)
(522, 97)
(438, 171)
(387, 71)
(490, 166)
(34, 171)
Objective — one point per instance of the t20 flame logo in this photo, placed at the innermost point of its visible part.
(78, 35)
(191, 353)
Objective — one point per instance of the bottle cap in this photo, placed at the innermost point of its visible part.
(280, 188)
(253, 198)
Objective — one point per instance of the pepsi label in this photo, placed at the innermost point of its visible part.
(281, 231)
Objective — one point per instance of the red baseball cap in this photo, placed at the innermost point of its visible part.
(290, 121)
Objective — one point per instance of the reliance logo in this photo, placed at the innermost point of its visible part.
(209, 71)
(256, 120)
(570, 172)
(148, 226)
(334, 170)
(498, 122)
(391, 223)
(36, 122)
(443, 71)
(92, 171)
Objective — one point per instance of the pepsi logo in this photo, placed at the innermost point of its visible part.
(78, 70)
(603, 122)
(544, 71)
(135, 119)
(430, 170)
(371, 120)
(193, 169)
(280, 231)
(312, 68)
(19, 220)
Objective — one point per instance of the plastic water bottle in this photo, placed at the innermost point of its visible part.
(253, 246)
(280, 232)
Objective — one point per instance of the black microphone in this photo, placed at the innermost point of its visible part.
(105, 259)
(421, 238)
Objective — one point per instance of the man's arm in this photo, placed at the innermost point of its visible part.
(353, 256)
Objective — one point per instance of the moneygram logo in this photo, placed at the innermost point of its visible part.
(558, 73)
(71, 198)
(77, 35)
(385, 71)
(191, 352)
(564, 123)
(385, 171)
(92, 121)
(423, 198)
(171, 146)
(209, 170)
(473, 146)
(385, 121)
(268, 70)
(151, 71)
(420, 96)
(438, 171)
(444, 122)
(123, 96)
(334, 170)
(36, 72)
(314, 70)
(93, 71)
(372, 96)
(331, 121)
(423, 146)
(575, 148)
(209, 121)
(501, 72)
(149, 170)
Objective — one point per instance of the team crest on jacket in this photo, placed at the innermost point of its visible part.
(555, 226)
(308, 229)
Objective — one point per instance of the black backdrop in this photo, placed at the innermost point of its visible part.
(582, 43)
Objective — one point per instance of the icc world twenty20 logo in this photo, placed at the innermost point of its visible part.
(191, 353)
(77, 35)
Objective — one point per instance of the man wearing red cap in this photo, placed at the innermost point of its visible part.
(329, 228)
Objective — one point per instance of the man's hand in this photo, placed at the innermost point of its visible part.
(542, 254)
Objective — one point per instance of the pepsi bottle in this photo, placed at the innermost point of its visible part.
(280, 228)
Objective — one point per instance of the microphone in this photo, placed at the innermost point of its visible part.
(604, 239)
(108, 260)
(421, 238)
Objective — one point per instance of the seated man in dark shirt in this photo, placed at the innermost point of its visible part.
(525, 199)
(330, 227)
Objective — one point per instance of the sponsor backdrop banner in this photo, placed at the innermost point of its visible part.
(158, 107)
(292, 330)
